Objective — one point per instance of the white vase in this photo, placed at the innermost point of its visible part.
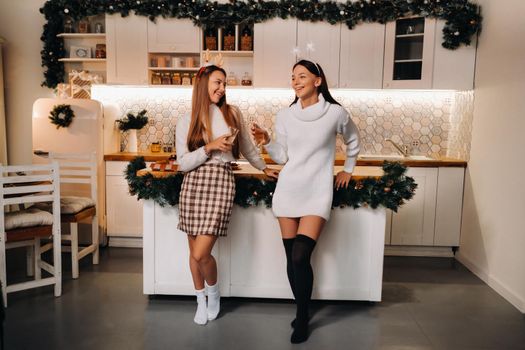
(132, 140)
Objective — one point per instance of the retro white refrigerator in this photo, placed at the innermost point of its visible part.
(83, 135)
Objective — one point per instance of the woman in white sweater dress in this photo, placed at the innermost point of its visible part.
(305, 139)
(207, 142)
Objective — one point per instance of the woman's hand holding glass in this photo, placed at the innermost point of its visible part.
(260, 135)
(221, 143)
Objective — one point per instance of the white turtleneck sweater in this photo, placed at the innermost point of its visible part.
(188, 161)
(305, 143)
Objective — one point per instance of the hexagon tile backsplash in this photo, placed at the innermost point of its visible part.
(433, 123)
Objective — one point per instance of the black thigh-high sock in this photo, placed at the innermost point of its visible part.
(304, 279)
(288, 246)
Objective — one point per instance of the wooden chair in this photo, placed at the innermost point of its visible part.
(26, 227)
(78, 186)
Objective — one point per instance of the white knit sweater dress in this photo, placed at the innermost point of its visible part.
(304, 142)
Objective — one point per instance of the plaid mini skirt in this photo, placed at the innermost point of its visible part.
(206, 200)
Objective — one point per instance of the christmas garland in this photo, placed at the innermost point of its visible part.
(391, 190)
(61, 116)
(463, 19)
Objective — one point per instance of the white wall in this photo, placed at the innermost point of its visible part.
(493, 230)
(21, 26)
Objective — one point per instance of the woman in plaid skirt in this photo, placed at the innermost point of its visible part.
(305, 139)
(207, 141)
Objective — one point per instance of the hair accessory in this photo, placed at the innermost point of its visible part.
(318, 70)
(215, 60)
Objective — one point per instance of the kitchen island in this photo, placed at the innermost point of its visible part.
(348, 260)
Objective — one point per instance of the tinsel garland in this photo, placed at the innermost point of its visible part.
(391, 190)
(61, 115)
(463, 19)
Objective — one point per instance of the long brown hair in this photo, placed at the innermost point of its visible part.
(316, 70)
(200, 125)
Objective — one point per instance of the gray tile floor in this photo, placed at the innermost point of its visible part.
(429, 303)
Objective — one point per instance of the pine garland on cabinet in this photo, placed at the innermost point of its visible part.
(463, 19)
(391, 190)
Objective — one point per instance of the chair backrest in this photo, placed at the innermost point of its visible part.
(77, 168)
(23, 184)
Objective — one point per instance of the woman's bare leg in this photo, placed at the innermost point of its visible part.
(203, 268)
(311, 226)
(288, 227)
(202, 264)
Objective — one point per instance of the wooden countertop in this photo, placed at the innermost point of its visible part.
(339, 160)
(360, 172)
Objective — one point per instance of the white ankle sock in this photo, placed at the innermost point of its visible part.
(214, 301)
(201, 316)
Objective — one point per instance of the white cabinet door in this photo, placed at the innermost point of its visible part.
(320, 42)
(413, 224)
(173, 35)
(127, 49)
(123, 211)
(406, 49)
(273, 57)
(453, 69)
(361, 60)
(449, 204)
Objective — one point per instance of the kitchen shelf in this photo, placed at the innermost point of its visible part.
(180, 69)
(101, 60)
(407, 61)
(231, 53)
(410, 35)
(81, 35)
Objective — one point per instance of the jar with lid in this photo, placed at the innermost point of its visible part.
(166, 79)
(155, 78)
(232, 79)
(175, 79)
(246, 39)
(246, 80)
(68, 25)
(83, 26)
(99, 27)
(210, 39)
(186, 80)
(228, 40)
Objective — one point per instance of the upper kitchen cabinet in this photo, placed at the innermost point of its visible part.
(274, 41)
(173, 35)
(453, 69)
(85, 45)
(361, 59)
(320, 42)
(127, 49)
(409, 53)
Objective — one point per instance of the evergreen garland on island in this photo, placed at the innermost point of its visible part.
(391, 190)
(463, 19)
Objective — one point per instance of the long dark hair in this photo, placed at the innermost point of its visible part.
(200, 126)
(316, 70)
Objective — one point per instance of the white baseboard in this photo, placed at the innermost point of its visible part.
(125, 242)
(442, 252)
(493, 282)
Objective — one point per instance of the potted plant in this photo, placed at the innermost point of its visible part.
(132, 123)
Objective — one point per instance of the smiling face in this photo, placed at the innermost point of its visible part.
(304, 82)
(216, 86)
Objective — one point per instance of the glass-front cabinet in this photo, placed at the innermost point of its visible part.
(409, 51)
